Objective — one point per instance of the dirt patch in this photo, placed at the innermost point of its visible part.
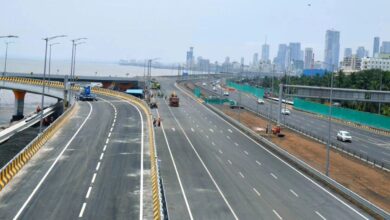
(369, 182)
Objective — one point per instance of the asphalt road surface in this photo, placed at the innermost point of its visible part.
(364, 142)
(90, 169)
(213, 171)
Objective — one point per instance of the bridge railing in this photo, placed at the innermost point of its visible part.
(8, 171)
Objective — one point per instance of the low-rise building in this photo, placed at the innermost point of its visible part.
(375, 63)
(351, 64)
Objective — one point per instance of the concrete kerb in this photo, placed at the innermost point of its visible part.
(354, 198)
(8, 171)
(156, 188)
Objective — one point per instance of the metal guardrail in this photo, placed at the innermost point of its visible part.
(354, 198)
(12, 167)
(9, 170)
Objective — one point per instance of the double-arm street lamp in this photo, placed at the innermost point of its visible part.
(6, 51)
(47, 39)
(72, 63)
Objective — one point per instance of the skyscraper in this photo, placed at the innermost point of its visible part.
(348, 52)
(385, 48)
(281, 57)
(375, 49)
(332, 50)
(255, 59)
(360, 52)
(309, 58)
(242, 61)
(265, 52)
(295, 51)
(190, 58)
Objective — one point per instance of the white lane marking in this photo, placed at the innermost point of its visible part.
(93, 178)
(212, 131)
(111, 129)
(109, 134)
(235, 144)
(213, 143)
(230, 130)
(257, 192)
(228, 137)
(192, 130)
(88, 192)
(112, 125)
(274, 176)
(230, 162)
(319, 214)
(98, 166)
(104, 148)
(108, 139)
(242, 175)
(246, 152)
(294, 193)
(277, 214)
(54, 163)
(101, 156)
(177, 172)
(82, 210)
(274, 155)
(173, 129)
(114, 121)
(258, 163)
(205, 167)
(220, 151)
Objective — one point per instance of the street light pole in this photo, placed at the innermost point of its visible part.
(71, 78)
(44, 76)
(50, 58)
(6, 51)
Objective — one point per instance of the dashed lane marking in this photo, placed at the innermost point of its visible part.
(93, 178)
(97, 166)
(88, 192)
(242, 175)
(319, 214)
(258, 163)
(294, 193)
(82, 210)
(230, 162)
(257, 192)
(246, 152)
(277, 214)
(274, 176)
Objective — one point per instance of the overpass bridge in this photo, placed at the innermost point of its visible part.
(99, 161)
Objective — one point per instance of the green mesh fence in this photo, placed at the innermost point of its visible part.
(364, 118)
(218, 101)
(197, 92)
(258, 92)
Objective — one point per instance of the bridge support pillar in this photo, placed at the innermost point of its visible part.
(19, 105)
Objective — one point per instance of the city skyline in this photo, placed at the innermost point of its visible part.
(115, 34)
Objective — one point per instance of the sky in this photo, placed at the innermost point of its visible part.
(127, 29)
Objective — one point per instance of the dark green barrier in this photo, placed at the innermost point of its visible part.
(258, 92)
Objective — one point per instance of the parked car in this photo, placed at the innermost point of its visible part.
(226, 93)
(236, 107)
(214, 88)
(260, 101)
(285, 111)
(204, 84)
(344, 136)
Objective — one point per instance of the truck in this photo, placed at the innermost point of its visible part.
(85, 94)
(173, 100)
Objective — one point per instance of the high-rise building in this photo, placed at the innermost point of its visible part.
(255, 59)
(265, 52)
(309, 58)
(281, 57)
(375, 49)
(385, 48)
(332, 50)
(360, 52)
(190, 58)
(295, 51)
(242, 61)
(348, 52)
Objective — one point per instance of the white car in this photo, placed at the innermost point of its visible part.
(285, 111)
(214, 88)
(204, 84)
(260, 101)
(226, 93)
(344, 136)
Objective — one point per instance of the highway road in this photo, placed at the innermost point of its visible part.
(92, 168)
(213, 171)
(364, 142)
